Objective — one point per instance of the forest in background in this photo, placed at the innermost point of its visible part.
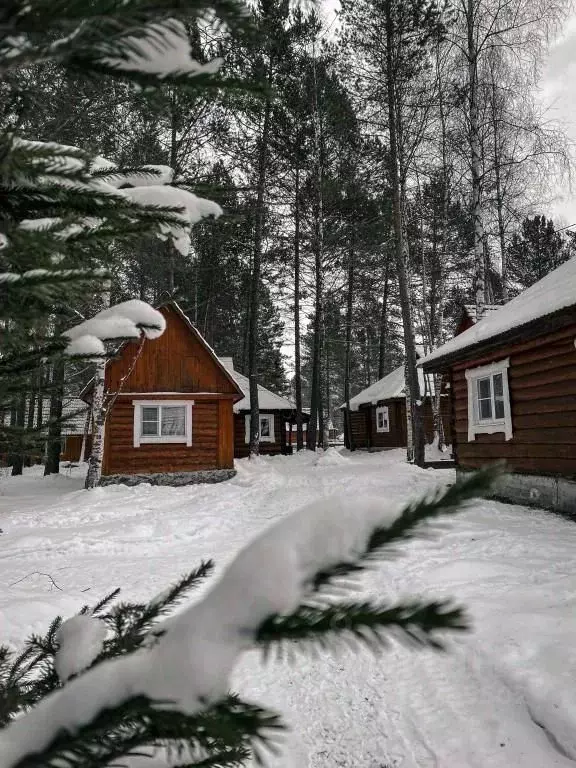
(384, 168)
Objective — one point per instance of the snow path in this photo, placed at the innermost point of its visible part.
(504, 695)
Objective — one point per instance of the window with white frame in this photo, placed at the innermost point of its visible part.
(382, 419)
(489, 400)
(167, 421)
(266, 428)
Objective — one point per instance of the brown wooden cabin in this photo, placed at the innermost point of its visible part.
(513, 392)
(378, 414)
(276, 414)
(173, 412)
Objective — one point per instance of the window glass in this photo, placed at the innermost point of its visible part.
(498, 384)
(484, 388)
(380, 419)
(150, 421)
(484, 399)
(264, 426)
(173, 420)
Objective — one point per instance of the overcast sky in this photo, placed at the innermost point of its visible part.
(559, 96)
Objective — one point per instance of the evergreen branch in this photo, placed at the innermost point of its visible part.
(409, 523)
(133, 621)
(415, 622)
(231, 726)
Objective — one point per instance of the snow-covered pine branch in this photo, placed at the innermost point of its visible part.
(186, 662)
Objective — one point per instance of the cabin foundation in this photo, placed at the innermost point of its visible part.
(173, 479)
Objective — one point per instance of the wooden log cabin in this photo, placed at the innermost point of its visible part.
(172, 408)
(276, 415)
(513, 392)
(377, 415)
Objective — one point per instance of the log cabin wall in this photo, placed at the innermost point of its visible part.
(396, 437)
(366, 435)
(542, 385)
(241, 447)
(359, 427)
(212, 446)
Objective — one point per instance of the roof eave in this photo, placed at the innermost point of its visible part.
(538, 327)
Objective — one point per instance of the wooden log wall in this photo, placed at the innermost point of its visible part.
(211, 441)
(241, 447)
(542, 384)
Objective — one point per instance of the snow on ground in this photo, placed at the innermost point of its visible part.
(503, 696)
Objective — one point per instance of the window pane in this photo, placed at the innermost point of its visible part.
(499, 408)
(174, 420)
(484, 388)
(380, 419)
(485, 409)
(498, 384)
(264, 426)
(149, 421)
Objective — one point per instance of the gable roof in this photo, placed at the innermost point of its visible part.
(519, 318)
(267, 400)
(393, 385)
(195, 332)
(175, 307)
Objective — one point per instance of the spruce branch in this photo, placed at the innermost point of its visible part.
(231, 726)
(415, 623)
(413, 520)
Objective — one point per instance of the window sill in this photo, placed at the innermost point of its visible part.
(489, 428)
(166, 439)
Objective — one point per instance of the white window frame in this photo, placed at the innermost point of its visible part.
(263, 439)
(140, 439)
(385, 410)
(476, 425)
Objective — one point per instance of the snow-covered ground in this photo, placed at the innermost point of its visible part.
(505, 695)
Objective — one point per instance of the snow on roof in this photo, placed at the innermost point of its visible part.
(391, 386)
(554, 292)
(471, 309)
(267, 400)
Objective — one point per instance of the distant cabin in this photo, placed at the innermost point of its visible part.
(378, 414)
(174, 407)
(513, 391)
(277, 414)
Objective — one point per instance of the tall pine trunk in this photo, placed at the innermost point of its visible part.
(475, 163)
(297, 350)
(383, 330)
(54, 446)
(415, 425)
(316, 424)
(18, 421)
(255, 283)
(348, 356)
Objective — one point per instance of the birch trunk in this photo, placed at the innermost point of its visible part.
(475, 163)
(415, 431)
(94, 472)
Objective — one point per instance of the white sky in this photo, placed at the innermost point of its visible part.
(559, 96)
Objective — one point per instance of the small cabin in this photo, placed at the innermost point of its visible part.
(171, 419)
(277, 414)
(513, 392)
(377, 418)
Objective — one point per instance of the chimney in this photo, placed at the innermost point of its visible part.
(228, 363)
